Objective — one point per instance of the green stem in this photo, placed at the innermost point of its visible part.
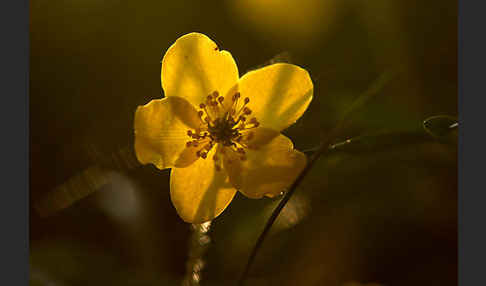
(323, 148)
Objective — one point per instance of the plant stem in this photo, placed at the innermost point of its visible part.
(323, 148)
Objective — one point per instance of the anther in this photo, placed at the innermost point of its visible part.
(247, 111)
(204, 155)
(188, 144)
(240, 150)
(215, 94)
(200, 113)
(189, 133)
(202, 105)
(236, 96)
(220, 99)
(247, 100)
(242, 118)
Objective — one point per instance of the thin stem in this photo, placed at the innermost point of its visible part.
(323, 148)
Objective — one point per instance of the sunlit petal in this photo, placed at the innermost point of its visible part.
(200, 192)
(194, 67)
(266, 170)
(279, 94)
(161, 131)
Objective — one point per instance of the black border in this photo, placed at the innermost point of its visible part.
(14, 211)
(471, 104)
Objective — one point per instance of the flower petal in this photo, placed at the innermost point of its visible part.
(279, 94)
(267, 169)
(193, 67)
(199, 192)
(161, 131)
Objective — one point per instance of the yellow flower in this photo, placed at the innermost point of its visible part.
(220, 133)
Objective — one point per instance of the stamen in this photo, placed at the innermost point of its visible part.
(242, 119)
(236, 96)
(188, 144)
(240, 149)
(253, 121)
(200, 113)
(221, 127)
(243, 106)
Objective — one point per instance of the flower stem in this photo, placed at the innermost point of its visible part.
(323, 148)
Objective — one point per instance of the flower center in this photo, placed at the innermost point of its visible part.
(223, 131)
(225, 125)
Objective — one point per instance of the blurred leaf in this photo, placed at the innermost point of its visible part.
(87, 181)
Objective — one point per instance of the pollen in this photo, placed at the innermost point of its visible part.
(223, 126)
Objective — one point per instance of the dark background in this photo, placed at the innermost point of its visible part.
(386, 214)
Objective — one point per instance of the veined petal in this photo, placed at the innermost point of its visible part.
(161, 131)
(267, 170)
(279, 94)
(193, 67)
(199, 192)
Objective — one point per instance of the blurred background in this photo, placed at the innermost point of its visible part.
(382, 212)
